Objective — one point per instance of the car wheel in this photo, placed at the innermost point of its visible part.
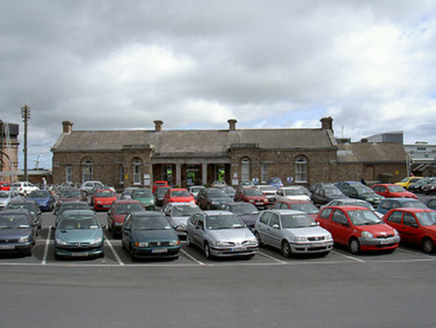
(354, 246)
(188, 241)
(132, 254)
(428, 245)
(286, 249)
(207, 251)
(259, 240)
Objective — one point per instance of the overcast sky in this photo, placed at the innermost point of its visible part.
(370, 65)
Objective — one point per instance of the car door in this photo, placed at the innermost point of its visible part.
(198, 233)
(409, 229)
(274, 230)
(340, 227)
(126, 231)
(262, 227)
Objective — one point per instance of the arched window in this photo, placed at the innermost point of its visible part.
(137, 171)
(301, 169)
(87, 170)
(245, 169)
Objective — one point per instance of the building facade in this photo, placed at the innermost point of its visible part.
(8, 151)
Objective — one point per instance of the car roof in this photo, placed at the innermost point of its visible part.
(412, 209)
(126, 201)
(401, 199)
(217, 212)
(348, 207)
(78, 212)
(147, 214)
(285, 211)
(15, 210)
(293, 201)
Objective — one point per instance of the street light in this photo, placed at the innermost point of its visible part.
(2, 132)
(25, 114)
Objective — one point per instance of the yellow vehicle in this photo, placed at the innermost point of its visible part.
(406, 182)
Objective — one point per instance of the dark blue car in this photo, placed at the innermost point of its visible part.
(44, 198)
(389, 203)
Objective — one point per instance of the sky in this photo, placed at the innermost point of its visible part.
(195, 64)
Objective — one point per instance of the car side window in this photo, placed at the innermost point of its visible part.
(193, 219)
(200, 221)
(395, 204)
(395, 217)
(275, 220)
(325, 214)
(386, 205)
(265, 217)
(128, 222)
(409, 219)
(277, 205)
(339, 217)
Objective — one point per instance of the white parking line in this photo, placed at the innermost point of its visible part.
(271, 258)
(47, 244)
(349, 257)
(192, 258)
(114, 252)
(417, 253)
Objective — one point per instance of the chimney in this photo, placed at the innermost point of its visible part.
(232, 124)
(364, 140)
(327, 123)
(158, 125)
(67, 126)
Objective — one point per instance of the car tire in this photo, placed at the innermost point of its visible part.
(132, 254)
(188, 241)
(207, 251)
(428, 245)
(259, 240)
(286, 249)
(354, 246)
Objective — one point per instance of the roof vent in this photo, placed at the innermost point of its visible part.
(232, 124)
(67, 126)
(158, 125)
(327, 123)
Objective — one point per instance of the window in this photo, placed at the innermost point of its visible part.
(395, 217)
(275, 221)
(87, 170)
(245, 169)
(301, 169)
(121, 174)
(326, 213)
(339, 217)
(137, 172)
(265, 217)
(68, 173)
(263, 172)
(409, 219)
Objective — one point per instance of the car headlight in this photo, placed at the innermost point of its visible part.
(221, 243)
(182, 226)
(192, 201)
(96, 241)
(142, 244)
(174, 242)
(300, 239)
(369, 200)
(61, 242)
(396, 232)
(25, 239)
(367, 234)
(99, 202)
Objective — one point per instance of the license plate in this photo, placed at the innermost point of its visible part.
(81, 254)
(7, 246)
(159, 250)
(239, 249)
(259, 203)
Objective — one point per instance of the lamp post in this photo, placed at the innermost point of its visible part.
(25, 114)
(2, 132)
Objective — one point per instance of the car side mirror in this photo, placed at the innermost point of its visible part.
(414, 225)
(126, 228)
(275, 226)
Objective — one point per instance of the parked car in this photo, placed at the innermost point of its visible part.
(415, 225)
(18, 231)
(178, 214)
(390, 190)
(247, 212)
(5, 185)
(221, 234)
(194, 190)
(78, 234)
(118, 212)
(159, 194)
(389, 203)
(44, 198)
(275, 182)
(89, 186)
(431, 203)
(297, 205)
(70, 195)
(417, 186)
(28, 205)
(68, 206)
(179, 195)
(358, 228)
(102, 199)
(355, 202)
(293, 192)
(356, 189)
(212, 198)
(323, 193)
(292, 232)
(269, 192)
(230, 191)
(6, 196)
(252, 195)
(149, 235)
(429, 188)
(146, 198)
(23, 187)
(127, 193)
(158, 184)
(406, 182)
(218, 184)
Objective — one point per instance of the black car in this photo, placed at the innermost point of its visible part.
(212, 198)
(159, 194)
(247, 212)
(356, 189)
(324, 193)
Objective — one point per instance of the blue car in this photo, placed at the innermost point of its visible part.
(17, 231)
(389, 203)
(44, 198)
(149, 235)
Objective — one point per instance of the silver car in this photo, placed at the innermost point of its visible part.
(178, 214)
(292, 232)
(6, 196)
(220, 233)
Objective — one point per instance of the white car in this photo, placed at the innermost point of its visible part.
(6, 196)
(293, 192)
(23, 187)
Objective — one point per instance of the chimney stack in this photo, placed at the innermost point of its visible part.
(232, 124)
(158, 125)
(327, 123)
(67, 126)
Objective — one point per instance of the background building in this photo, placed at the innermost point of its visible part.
(8, 151)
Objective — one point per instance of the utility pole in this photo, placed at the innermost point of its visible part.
(2, 133)
(25, 114)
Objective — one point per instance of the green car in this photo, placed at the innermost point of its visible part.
(146, 198)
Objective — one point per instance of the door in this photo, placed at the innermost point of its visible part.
(409, 229)
(340, 227)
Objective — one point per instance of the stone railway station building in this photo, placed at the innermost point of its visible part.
(127, 158)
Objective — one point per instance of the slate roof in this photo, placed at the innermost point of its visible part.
(195, 141)
(371, 153)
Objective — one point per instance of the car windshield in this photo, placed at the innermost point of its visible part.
(128, 208)
(180, 193)
(13, 221)
(362, 189)
(26, 206)
(416, 204)
(4, 194)
(297, 221)
(150, 223)
(363, 217)
(293, 192)
(38, 194)
(215, 192)
(196, 189)
(267, 188)
(78, 222)
(184, 210)
(362, 204)
(426, 218)
(71, 194)
(104, 194)
(244, 209)
(253, 192)
(73, 206)
(217, 222)
(161, 191)
(143, 193)
(396, 188)
(308, 208)
(332, 191)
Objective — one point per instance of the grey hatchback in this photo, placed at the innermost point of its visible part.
(292, 232)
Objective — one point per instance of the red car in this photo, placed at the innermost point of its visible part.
(298, 205)
(415, 225)
(102, 199)
(178, 195)
(358, 228)
(390, 190)
(118, 212)
(252, 195)
(159, 184)
(5, 185)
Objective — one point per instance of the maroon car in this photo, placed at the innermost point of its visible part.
(118, 212)
(252, 195)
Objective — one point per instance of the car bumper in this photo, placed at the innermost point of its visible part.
(314, 247)
(233, 251)
(156, 252)
(77, 252)
(102, 207)
(15, 247)
(374, 244)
